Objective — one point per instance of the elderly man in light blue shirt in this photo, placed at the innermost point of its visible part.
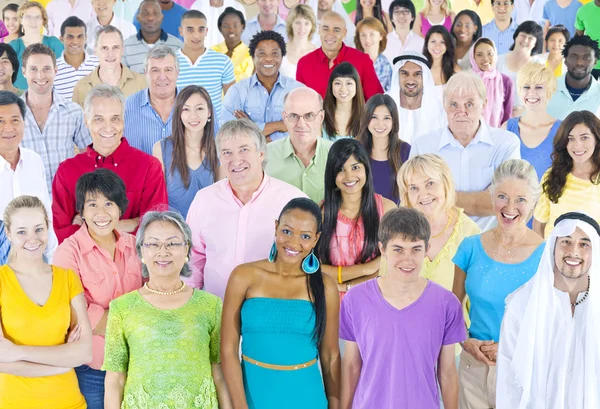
(260, 97)
(472, 149)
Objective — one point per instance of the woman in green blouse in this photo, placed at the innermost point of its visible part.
(162, 341)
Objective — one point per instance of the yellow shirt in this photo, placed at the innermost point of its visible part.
(579, 194)
(243, 66)
(484, 9)
(26, 323)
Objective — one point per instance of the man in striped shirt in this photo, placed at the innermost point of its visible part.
(200, 65)
(75, 63)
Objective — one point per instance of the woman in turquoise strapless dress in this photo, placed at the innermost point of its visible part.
(287, 314)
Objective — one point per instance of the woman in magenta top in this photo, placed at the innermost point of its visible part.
(351, 214)
(106, 262)
(434, 13)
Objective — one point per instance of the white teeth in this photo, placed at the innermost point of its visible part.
(292, 252)
(350, 184)
(268, 66)
(509, 217)
(102, 224)
(427, 202)
(163, 263)
(32, 248)
(408, 270)
(572, 263)
(578, 153)
(380, 130)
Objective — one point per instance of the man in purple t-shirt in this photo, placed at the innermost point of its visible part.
(400, 328)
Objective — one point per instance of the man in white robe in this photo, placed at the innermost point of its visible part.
(549, 349)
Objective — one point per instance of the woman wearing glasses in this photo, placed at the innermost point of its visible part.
(106, 262)
(162, 341)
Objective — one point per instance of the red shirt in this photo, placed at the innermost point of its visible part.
(143, 176)
(313, 70)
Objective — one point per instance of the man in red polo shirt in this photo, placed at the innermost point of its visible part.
(315, 68)
(142, 173)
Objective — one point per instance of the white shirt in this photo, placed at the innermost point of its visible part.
(59, 10)
(29, 178)
(472, 166)
(213, 36)
(395, 46)
(126, 27)
(67, 76)
(525, 11)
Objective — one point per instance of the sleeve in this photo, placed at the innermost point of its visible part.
(198, 251)
(464, 253)
(82, 137)
(512, 148)
(3, 31)
(231, 103)
(509, 91)
(51, 17)
(507, 391)
(579, 20)
(75, 287)
(63, 207)
(542, 209)
(56, 46)
(154, 191)
(78, 93)
(247, 67)
(346, 316)
(405, 151)
(414, 149)
(116, 350)
(545, 14)
(300, 70)
(45, 197)
(386, 78)
(455, 330)
(228, 72)
(370, 82)
(215, 334)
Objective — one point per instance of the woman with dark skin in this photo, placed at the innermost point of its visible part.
(466, 29)
(287, 312)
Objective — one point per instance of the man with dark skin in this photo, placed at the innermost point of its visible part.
(172, 13)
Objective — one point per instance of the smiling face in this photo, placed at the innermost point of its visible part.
(427, 195)
(573, 255)
(513, 203)
(332, 32)
(11, 21)
(32, 20)
(12, 128)
(267, 8)
(295, 236)
(534, 96)
(464, 29)
(485, 57)
(436, 46)
(556, 43)
(105, 122)
(580, 62)
(411, 79)
(301, 27)
(109, 49)
(325, 5)
(28, 234)
(40, 72)
(525, 41)
(344, 89)
(352, 177)
(161, 75)
(232, 28)
(241, 160)
(195, 113)
(101, 215)
(367, 4)
(74, 40)
(404, 258)
(193, 31)
(6, 70)
(267, 59)
(581, 144)
(164, 262)
(370, 39)
(381, 122)
(103, 8)
(150, 17)
(402, 17)
(502, 9)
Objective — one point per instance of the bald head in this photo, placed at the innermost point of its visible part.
(303, 115)
(332, 32)
(306, 94)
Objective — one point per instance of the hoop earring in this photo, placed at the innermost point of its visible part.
(273, 253)
(310, 264)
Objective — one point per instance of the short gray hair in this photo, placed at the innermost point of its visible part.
(242, 127)
(169, 217)
(107, 30)
(463, 82)
(103, 91)
(517, 169)
(158, 52)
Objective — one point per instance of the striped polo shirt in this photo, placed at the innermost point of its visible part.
(67, 76)
(135, 49)
(211, 70)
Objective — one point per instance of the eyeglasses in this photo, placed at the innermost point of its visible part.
(170, 246)
(309, 117)
(404, 12)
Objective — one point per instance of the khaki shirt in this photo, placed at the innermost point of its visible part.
(129, 83)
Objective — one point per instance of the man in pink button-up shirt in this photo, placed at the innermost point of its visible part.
(233, 220)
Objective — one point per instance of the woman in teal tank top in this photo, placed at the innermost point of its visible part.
(287, 314)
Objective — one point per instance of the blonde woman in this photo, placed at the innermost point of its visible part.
(300, 27)
(33, 18)
(434, 13)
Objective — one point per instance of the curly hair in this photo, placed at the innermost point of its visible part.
(585, 41)
(264, 36)
(562, 163)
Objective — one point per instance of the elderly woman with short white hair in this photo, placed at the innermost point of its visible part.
(163, 341)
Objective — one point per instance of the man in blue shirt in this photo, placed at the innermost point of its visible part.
(172, 13)
(260, 97)
(267, 19)
(501, 29)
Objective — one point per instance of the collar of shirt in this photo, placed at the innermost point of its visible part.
(254, 81)
(87, 243)
(57, 100)
(511, 27)
(254, 21)
(340, 55)
(120, 154)
(410, 35)
(126, 74)
(88, 59)
(241, 48)
(561, 86)
(266, 181)
(483, 135)
(145, 98)
(288, 149)
(163, 35)
(5, 165)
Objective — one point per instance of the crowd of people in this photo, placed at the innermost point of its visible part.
(332, 204)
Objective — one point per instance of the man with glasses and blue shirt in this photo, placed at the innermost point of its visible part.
(501, 29)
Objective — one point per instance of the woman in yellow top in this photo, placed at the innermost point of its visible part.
(231, 24)
(556, 38)
(45, 331)
(573, 181)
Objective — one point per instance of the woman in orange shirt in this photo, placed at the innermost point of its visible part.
(45, 331)
(106, 262)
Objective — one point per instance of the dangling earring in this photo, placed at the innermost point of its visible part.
(310, 264)
(273, 253)
(187, 259)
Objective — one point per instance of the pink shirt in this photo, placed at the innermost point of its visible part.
(226, 232)
(103, 278)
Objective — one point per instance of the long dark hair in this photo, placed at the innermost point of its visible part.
(344, 70)
(339, 153)
(534, 29)
(207, 144)
(314, 282)
(395, 143)
(562, 163)
(377, 13)
(448, 57)
(476, 21)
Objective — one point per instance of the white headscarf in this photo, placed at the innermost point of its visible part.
(431, 116)
(541, 359)
(338, 8)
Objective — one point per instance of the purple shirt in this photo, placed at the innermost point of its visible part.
(384, 178)
(400, 348)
